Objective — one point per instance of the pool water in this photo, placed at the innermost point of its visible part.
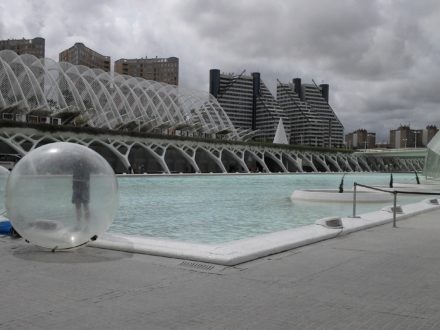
(223, 208)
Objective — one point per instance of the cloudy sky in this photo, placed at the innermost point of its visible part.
(380, 57)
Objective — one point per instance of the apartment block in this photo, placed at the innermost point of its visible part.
(248, 103)
(35, 46)
(164, 70)
(405, 137)
(79, 54)
(311, 119)
(360, 139)
(304, 109)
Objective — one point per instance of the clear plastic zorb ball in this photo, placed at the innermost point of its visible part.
(61, 196)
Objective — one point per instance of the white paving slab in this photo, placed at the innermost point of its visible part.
(383, 278)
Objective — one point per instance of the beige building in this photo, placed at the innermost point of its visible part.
(405, 137)
(35, 46)
(158, 69)
(79, 54)
(361, 138)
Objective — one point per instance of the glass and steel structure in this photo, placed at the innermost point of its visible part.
(96, 98)
(432, 162)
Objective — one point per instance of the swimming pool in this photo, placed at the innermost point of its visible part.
(222, 208)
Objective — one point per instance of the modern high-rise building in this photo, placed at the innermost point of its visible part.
(360, 138)
(158, 69)
(311, 119)
(35, 46)
(79, 54)
(307, 117)
(248, 103)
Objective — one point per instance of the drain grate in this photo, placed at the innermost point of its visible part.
(197, 265)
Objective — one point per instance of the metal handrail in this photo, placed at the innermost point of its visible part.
(394, 192)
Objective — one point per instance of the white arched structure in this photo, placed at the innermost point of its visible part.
(29, 85)
(224, 157)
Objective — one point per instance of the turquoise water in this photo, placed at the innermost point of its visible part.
(218, 209)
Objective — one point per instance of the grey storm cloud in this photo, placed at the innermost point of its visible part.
(380, 57)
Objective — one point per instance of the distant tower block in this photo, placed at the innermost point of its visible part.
(79, 54)
(164, 70)
(35, 46)
(248, 102)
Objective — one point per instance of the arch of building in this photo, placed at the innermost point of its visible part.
(29, 85)
(149, 155)
(390, 164)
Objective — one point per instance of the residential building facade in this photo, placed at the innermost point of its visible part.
(360, 138)
(405, 137)
(79, 54)
(35, 46)
(248, 103)
(311, 119)
(158, 69)
(307, 117)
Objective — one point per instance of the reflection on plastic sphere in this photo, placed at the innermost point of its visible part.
(4, 174)
(61, 196)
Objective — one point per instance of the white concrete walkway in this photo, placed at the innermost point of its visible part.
(380, 278)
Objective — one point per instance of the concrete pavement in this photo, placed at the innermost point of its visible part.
(380, 278)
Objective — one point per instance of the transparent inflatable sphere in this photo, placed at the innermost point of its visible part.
(61, 196)
(4, 174)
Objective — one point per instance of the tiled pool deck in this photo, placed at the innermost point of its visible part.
(379, 278)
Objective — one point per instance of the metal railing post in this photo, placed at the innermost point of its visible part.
(395, 193)
(354, 199)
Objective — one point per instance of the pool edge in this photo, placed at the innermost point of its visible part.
(240, 251)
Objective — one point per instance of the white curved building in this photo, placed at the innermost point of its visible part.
(91, 97)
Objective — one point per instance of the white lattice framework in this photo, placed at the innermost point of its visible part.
(104, 100)
(24, 140)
